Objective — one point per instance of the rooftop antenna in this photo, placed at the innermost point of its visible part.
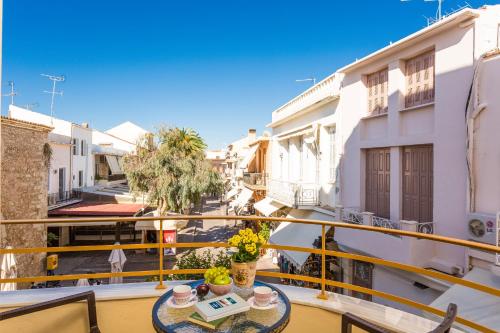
(31, 106)
(439, 11)
(54, 80)
(311, 79)
(12, 92)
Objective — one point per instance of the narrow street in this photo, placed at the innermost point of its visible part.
(196, 231)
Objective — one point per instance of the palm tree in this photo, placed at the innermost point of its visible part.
(173, 173)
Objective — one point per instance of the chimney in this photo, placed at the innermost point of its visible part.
(85, 125)
(252, 135)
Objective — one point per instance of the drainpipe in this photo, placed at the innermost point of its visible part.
(71, 161)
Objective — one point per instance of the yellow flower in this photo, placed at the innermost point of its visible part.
(250, 248)
(235, 240)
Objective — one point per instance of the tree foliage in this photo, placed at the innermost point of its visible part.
(170, 167)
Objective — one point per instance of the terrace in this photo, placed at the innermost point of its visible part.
(128, 307)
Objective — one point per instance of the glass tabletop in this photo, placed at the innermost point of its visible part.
(170, 320)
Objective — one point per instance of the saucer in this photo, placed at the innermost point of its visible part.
(171, 303)
(251, 302)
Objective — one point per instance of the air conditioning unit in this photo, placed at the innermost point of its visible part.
(482, 227)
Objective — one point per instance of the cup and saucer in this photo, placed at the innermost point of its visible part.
(183, 296)
(264, 298)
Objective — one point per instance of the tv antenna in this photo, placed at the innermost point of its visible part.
(31, 106)
(54, 80)
(439, 11)
(311, 79)
(12, 92)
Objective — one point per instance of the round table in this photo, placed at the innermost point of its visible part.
(170, 320)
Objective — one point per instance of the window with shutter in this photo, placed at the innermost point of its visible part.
(377, 92)
(420, 80)
(83, 148)
(76, 147)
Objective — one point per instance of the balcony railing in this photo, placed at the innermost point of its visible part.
(255, 179)
(354, 216)
(294, 194)
(320, 281)
(61, 197)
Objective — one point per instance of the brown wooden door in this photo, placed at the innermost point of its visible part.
(418, 183)
(378, 173)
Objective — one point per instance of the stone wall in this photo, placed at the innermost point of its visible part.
(24, 182)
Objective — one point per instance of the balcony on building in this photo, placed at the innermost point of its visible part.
(63, 198)
(319, 302)
(294, 194)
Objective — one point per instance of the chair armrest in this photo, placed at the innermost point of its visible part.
(89, 296)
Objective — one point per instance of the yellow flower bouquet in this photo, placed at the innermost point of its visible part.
(248, 244)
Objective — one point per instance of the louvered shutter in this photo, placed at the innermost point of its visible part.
(420, 80)
(377, 92)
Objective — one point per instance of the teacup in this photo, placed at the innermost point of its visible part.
(263, 296)
(183, 294)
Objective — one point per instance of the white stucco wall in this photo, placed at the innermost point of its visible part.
(102, 138)
(486, 156)
(60, 159)
(314, 167)
(83, 163)
(441, 124)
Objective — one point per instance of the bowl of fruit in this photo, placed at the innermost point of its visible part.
(218, 280)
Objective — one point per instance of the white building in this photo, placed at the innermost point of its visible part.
(402, 146)
(235, 156)
(128, 132)
(71, 165)
(82, 157)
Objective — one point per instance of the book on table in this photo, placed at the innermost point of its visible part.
(222, 306)
(214, 324)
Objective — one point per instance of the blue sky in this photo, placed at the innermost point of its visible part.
(217, 66)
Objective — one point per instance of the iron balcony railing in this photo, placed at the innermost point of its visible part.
(322, 281)
(354, 216)
(64, 196)
(251, 178)
(294, 194)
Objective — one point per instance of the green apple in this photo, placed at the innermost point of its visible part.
(222, 280)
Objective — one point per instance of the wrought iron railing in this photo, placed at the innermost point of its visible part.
(250, 178)
(61, 197)
(383, 222)
(321, 281)
(352, 216)
(294, 194)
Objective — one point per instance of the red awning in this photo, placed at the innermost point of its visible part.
(97, 209)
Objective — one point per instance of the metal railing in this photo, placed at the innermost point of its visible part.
(383, 222)
(352, 216)
(259, 179)
(60, 197)
(88, 296)
(294, 194)
(323, 252)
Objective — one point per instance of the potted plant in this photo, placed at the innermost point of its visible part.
(244, 259)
